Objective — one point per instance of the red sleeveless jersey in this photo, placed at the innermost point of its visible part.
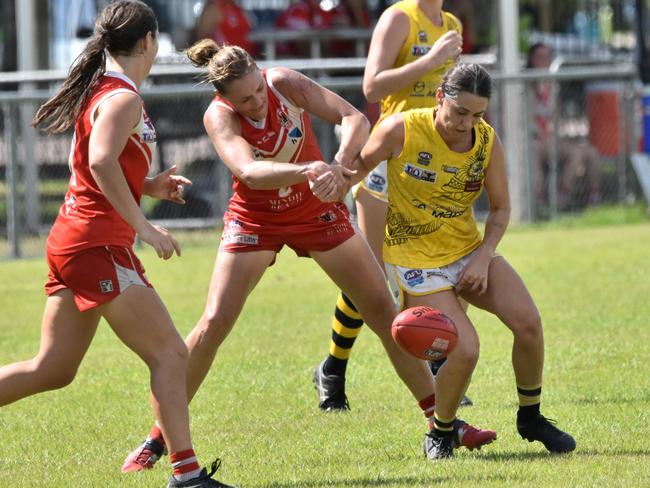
(86, 218)
(285, 136)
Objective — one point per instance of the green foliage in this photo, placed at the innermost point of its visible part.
(258, 411)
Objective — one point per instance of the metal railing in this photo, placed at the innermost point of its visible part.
(178, 102)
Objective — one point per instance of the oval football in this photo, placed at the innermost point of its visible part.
(425, 333)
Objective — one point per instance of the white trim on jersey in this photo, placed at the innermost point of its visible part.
(106, 97)
(279, 95)
(123, 77)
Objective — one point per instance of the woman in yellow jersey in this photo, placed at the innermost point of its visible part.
(439, 159)
(413, 45)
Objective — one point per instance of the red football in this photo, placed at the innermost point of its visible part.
(425, 333)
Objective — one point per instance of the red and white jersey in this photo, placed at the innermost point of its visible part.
(86, 218)
(285, 136)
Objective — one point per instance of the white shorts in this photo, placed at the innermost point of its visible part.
(375, 183)
(424, 281)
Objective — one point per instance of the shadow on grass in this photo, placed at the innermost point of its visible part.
(369, 482)
(528, 456)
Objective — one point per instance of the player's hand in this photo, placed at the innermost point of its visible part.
(448, 46)
(332, 185)
(167, 186)
(161, 240)
(474, 278)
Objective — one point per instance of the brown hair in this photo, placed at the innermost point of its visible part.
(117, 29)
(225, 63)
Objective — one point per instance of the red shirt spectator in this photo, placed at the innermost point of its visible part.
(227, 23)
(308, 14)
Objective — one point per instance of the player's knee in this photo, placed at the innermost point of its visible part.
(465, 355)
(529, 328)
(215, 325)
(52, 377)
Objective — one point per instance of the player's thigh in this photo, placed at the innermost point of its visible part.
(371, 217)
(506, 296)
(354, 269)
(66, 333)
(234, 276)
(141, 321)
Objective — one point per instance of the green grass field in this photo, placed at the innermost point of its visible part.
(258, 410)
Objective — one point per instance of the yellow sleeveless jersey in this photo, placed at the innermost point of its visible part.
(422, 35)
(431, 189)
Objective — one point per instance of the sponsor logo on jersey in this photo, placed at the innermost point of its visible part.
(266, 137)
(422, 36)
(414, 277)
(450, 169)
(436, 272)
(236, 238)
(424, 158)
(148, 132)
(446, 213)
(234, 223)
(420, 50)
(328, 216)
(418, 87)
(285, 203)
(472, 185)
(420, 174)
(106, 286)
(283, 118)
(295, 134)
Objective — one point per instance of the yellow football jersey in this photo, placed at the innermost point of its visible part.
(422, 35)
(431, 190)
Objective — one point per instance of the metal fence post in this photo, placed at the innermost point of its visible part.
(11, 178)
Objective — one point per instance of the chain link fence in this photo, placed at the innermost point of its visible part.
(584, 159)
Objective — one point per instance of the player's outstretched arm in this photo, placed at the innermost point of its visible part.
(327, 105)
(224, 130)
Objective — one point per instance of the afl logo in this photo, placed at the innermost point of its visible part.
(412, 274)
(377, 180)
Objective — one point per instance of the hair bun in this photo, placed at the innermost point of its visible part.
(201, 52)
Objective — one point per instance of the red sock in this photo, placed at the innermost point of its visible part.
(157, 435)
(185, 465)
(427, 404)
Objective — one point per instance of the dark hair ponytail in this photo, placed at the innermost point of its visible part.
(117, 29)
(467, 77)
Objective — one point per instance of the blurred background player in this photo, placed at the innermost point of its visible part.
(435, 254)
(576, 156)
(413, 45)
(93, 271)
(225, 22)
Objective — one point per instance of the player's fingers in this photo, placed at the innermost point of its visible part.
(177, 246)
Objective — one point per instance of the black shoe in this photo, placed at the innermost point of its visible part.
(203, 480)
(437, 447)
(331, 391)
(542, 429)
(466, 402)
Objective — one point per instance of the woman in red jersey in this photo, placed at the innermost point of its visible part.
(94, 272)
(259, 124)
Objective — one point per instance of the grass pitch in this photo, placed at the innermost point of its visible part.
(258, 410)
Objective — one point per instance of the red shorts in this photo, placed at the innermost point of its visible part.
(95, 275)
(322, 233)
